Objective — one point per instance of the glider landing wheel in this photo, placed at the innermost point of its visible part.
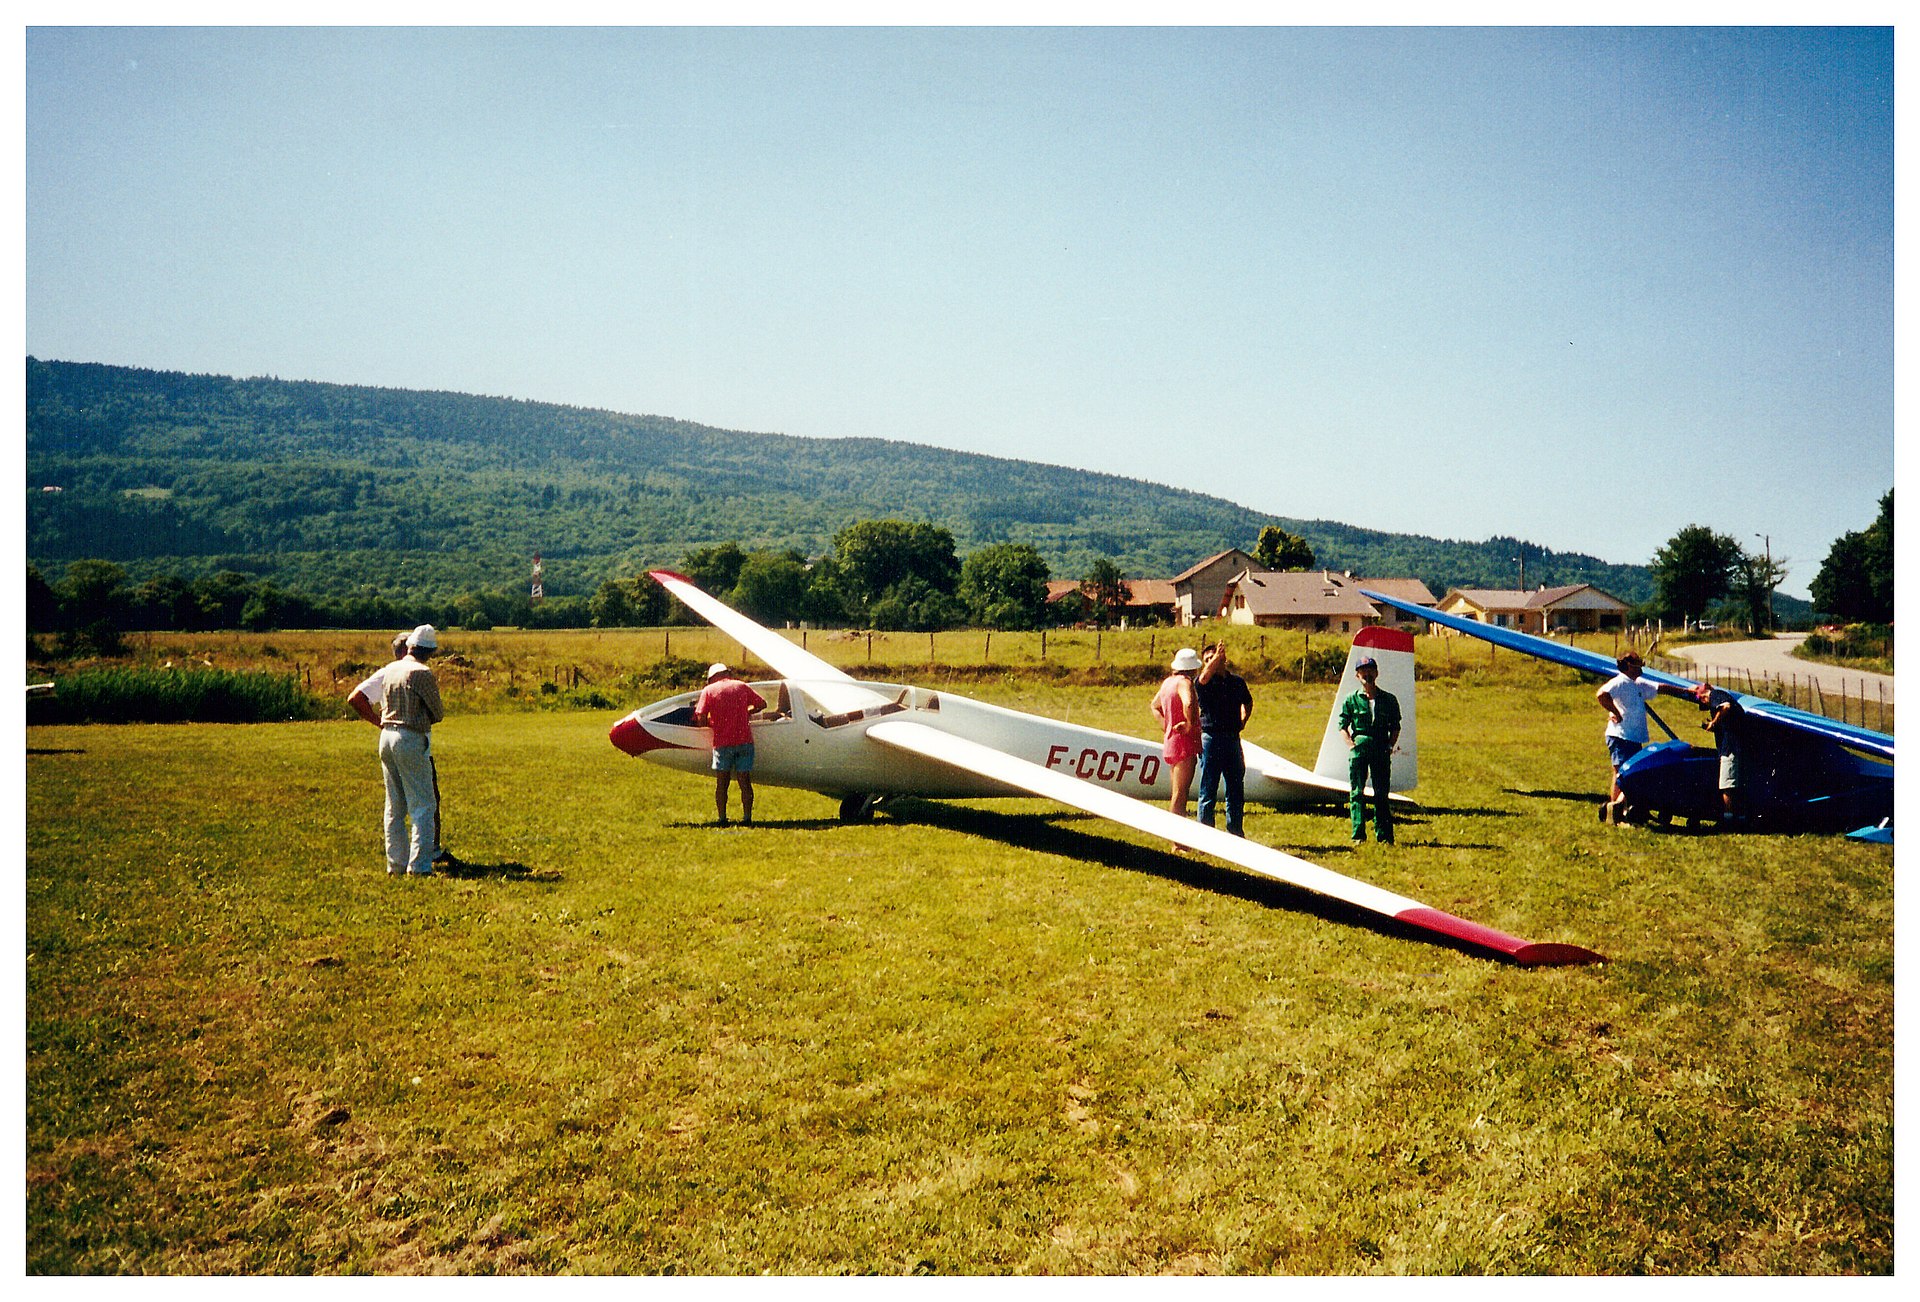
(856, 809)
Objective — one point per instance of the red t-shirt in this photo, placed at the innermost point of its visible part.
(727, 705)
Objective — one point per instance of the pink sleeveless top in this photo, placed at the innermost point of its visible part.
(1177, 743)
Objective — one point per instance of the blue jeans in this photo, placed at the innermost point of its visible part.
(1221, 757)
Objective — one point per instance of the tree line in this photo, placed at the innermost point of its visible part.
(890, 575)
(1701, 574)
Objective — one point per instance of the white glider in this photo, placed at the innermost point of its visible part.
(866, 741)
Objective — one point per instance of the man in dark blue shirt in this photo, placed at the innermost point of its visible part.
(1726, 720)
(1225, 707)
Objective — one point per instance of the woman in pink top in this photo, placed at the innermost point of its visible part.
(1178, 710)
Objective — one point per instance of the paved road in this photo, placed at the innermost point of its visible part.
(1775, 658)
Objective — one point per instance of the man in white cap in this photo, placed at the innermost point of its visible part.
(409, 707)
(727, 706)
(366, 699)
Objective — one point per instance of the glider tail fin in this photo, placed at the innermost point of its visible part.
(1392, 650)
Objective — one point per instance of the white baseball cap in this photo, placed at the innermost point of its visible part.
(424, 637)
(715, 670)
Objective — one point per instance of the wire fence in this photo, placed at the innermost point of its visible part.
(1863, 702)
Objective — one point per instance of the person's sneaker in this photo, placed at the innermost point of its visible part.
(444, 859)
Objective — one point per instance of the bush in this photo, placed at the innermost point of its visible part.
(1854, 642)
(110, 695)
(1324, 663)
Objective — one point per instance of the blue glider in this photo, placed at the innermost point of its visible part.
(1802, 771)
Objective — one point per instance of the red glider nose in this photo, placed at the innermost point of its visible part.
(631, 736)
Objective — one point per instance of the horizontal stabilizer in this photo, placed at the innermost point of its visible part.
(919, 739)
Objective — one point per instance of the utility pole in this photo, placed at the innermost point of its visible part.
(1767, 538)
(1522, 558)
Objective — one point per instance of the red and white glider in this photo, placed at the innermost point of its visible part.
(863, 741)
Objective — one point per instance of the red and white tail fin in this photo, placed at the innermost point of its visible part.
(1392, 651)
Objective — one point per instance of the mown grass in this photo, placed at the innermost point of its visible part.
(965, 1038)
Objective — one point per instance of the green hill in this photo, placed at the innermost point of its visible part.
(335, 489)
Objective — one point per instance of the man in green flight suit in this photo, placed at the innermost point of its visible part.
(1370, 718)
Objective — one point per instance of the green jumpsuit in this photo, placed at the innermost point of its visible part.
(1374, 726)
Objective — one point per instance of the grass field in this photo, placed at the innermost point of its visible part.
(994, 1037)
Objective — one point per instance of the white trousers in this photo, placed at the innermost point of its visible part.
(406, 761)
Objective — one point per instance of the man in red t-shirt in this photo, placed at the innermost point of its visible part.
(727, 706)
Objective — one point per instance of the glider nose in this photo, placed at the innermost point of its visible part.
(631, 736)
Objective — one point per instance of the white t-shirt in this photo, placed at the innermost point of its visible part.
(375, 687)
(1630, 697)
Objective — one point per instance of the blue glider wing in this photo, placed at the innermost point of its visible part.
(1592, 662)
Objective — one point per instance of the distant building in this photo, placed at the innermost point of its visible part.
(1149, 601)
(1197, 590)
(1575, 608)
(1313, 601)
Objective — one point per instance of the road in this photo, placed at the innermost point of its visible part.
(1775, 659)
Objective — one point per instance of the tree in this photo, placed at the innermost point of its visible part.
(1751, 587)
(1105, 590)
(1693, 571)
(824, 607)
(43, 603)
(1004, 585)
(1855, 583)
(612, 604)
(773, 587)
(1280, 550)
(94, 592)
(714, 569)
(873, 556)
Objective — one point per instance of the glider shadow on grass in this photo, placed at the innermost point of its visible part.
(1046, 832)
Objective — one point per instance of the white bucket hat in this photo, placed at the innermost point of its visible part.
(1185, 660)
(424, 637)
(715, 670)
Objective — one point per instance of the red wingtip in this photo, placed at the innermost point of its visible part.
(1520, 951)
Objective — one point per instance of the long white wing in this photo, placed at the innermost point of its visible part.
(919, 739)
(833, 688)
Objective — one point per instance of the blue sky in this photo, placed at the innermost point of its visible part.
(1582, 286)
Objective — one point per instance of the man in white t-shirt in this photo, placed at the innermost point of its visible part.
(1624, 697)
(367, 699)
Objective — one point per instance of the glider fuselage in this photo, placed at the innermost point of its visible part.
(799, 744)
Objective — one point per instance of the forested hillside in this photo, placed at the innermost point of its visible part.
(338, 489)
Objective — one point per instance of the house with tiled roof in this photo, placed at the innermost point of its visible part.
(1313, 601)
(1574, 607)
(1197, 590)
